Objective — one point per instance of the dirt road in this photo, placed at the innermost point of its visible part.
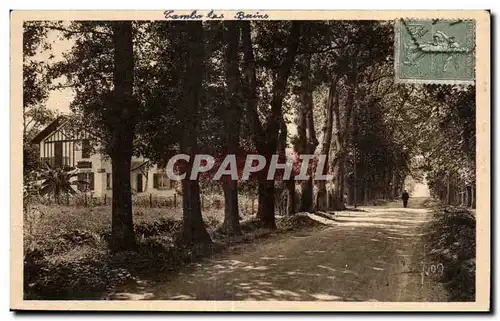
(372, 255)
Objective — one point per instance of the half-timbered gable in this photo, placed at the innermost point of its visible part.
(61, 146)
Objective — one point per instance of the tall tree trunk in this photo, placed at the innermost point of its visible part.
(265, 212)
(232, 122)
(306, 202)
(333, 99)
(393, 185)
(307, 141)
(290, 183)
(194, 231)
(122, 132)
(387, 177)
(301, 147)
(290, 197)
(266, 140)
(448, 190)
(473, 197)
(342, 132)
(231, 225)
(468, 190)
(341, 178)
(276, 119)
(250, 97)
(338, 188)
(306, 191)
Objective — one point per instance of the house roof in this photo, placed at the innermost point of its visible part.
(48, 130)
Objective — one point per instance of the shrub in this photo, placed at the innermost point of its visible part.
(80, 273)
(452, 238)
(163, 226)
(297, 221)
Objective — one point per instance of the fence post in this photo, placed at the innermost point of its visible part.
(150, 200)
(105, 199)
(253, 200)
(85, 199)
(175, 200)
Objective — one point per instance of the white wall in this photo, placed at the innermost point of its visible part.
(101, 166)
(147, 182)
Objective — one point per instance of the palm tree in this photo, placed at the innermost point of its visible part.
(57, 182)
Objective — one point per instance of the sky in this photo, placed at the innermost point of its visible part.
(58, 100)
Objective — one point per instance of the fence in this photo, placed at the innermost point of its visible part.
(247, 204)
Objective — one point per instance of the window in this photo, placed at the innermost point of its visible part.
(85, 148)
(108, 181)
(87, 177)
(161, 181)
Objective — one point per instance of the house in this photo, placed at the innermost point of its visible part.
(63, 146)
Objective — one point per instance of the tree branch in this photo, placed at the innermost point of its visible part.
(73, 32)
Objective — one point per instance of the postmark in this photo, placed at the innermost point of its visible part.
(434, 51)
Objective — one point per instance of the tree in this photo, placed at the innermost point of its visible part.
(232, 118)
(109, 102)
(449, 158)
(35, 86)
(364, 44)
(100, 68)
(194, 231)
(265, 136)
(35, 91)
(124, 110)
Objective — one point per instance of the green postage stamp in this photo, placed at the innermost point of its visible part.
(435, 51)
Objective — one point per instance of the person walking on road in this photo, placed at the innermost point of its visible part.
(405, 198)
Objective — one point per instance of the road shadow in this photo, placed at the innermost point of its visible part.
(361, 256)
(267, 279)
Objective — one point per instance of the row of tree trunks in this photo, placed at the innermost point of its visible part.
(456, 192)
(341, 136)
(333, 99)
(306, 142)
(343, 133)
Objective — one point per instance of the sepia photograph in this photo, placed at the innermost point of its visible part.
(250, 160)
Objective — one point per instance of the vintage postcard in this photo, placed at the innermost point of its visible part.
(214, 160)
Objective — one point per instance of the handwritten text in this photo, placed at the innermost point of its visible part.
(196, 15)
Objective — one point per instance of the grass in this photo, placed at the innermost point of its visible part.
(67, 256)
(66, 253)
(452, 239)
